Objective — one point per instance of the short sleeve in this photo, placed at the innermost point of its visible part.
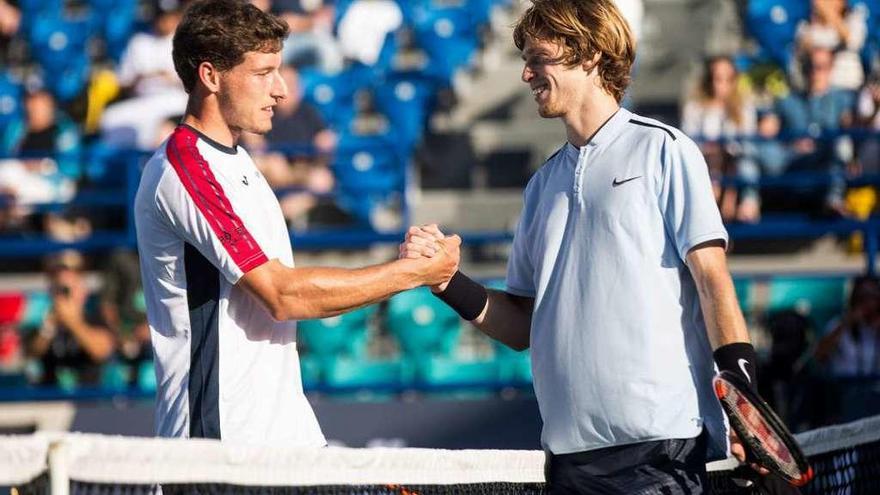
(858, 29)
(196, 207)
(686, 199)
(520, 265)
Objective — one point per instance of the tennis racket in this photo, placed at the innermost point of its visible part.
(765, 437)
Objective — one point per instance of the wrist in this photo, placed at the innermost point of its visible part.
(466, 297)
(740, 359)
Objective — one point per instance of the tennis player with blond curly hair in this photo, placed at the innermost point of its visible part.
(617, 279)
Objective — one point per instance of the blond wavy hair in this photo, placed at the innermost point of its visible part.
(583, 28)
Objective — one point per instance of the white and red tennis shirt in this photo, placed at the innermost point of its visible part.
(225, 368)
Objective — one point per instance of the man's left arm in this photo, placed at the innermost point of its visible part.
(725, 324)
(724, 320)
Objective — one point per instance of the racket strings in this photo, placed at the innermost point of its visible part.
(757, 426)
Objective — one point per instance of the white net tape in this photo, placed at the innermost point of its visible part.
(107, 459)
(144, 461)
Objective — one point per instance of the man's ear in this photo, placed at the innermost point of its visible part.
(591, 64)
(209, 76)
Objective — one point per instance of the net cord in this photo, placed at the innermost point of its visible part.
(126, 460)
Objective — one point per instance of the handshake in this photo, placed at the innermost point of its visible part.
(433, 255)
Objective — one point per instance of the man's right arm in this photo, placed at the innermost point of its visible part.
(321, 292)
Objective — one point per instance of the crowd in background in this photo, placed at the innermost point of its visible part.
(751, 130)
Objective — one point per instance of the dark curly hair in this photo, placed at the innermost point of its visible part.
(583, 28)
(221, 32)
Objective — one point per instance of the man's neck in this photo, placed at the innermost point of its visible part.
(211, 124)
(581, 124)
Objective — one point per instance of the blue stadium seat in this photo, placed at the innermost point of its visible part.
(406, 99)
(333, 95)
(773, 24)
(330, 339)
(819, 298)
(422, 324)
(447, 34)
(744, 293)
(348, 372)
(369, 171)
(514, 367)
(115, 21)
(10, 100)
(31, 10)
(310, 371)
(871, 49)
(55, 41)
(449, 371)
(338, 335)
(71, 80)
(146, 376)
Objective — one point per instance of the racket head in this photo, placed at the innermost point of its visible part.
(761, 431)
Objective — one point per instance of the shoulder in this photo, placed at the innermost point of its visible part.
(651, 128)
(555, 160)
(666, 139)
(156, 174)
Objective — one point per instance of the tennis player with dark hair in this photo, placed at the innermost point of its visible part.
(617, 279)
(221, 289)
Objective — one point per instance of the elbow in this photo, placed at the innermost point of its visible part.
(518, 346)
(279, 312)
(102, 352)
(284, 312)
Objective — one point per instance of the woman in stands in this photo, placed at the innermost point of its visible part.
(717, 115)
(837, 27)
(851, 345)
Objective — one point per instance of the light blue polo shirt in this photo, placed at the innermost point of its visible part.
(619, 348)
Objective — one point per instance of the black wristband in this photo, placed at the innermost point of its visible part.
(465, 296)
(739, 358)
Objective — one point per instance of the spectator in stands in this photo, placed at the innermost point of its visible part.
(10, 19)
(364, 26)
(311, 41)
(811, 118)
(11, 359)
(123, 308)
(47, 143)
(868, 117)
(836, 27)
(294, 153)
(146, 73)
(851, 346)
(719, 114)
(768, 157)
(73, 341)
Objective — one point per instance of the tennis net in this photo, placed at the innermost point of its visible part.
(845, 458)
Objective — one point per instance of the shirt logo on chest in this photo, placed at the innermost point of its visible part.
(244, 179)
(616, 182)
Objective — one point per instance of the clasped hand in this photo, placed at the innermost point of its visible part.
(427, 241)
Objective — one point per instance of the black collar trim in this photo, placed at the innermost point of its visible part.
(218, 146)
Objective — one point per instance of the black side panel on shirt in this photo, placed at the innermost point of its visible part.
(203, 296)
(655, 126)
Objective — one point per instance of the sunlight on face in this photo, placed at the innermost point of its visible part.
(250, 90)
(555, 87)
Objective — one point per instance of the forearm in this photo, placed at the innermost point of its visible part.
(724, 320)
(839, 24)
(307, 293)
(507, 319)
(95, 341)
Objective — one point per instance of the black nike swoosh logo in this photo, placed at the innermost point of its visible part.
(616, 182)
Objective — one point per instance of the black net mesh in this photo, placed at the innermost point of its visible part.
(223, 489)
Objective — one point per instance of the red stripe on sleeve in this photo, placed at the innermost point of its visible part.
(208, 196)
